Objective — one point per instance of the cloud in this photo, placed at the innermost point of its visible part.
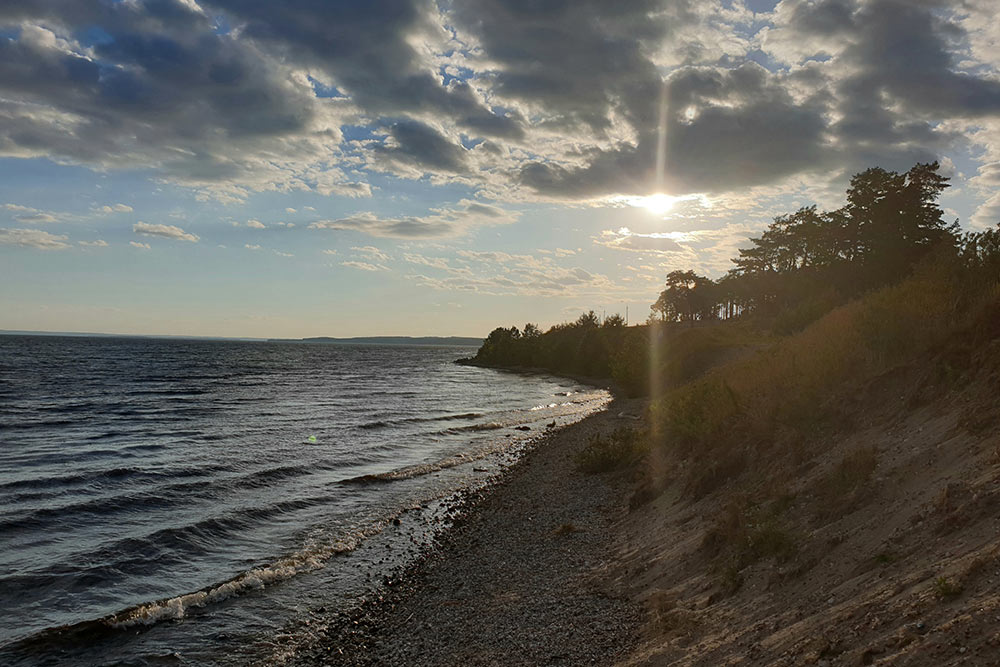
(99, 243)
(513, 101)
(364, 266)
(624, 239)
(141, 246)
(114, 208)
(250, 246)
(988, 214)
(28, 215)
(501, 273)
(289, 210)
(164, 231)
(709, 251)
(33, 238)
(255, 224)
(441, 223)
(372, 252)
(419, 145)
(201, 107)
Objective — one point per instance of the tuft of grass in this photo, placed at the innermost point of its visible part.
(945, 588)
(566, 529)
(847, 483)
(619, 449)
(745, 533)
(852, 473)
(886, 558)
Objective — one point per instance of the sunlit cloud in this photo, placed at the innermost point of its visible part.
(164, 231)
(33, 238)
(364, 266)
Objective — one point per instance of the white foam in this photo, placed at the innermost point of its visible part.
(254, 579)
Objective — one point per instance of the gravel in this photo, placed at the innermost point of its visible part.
(519, 579)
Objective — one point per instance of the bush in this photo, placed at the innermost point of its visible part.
(605, 453)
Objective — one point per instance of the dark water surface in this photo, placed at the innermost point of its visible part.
(186, 502)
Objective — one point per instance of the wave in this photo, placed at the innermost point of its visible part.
(147, 614)
(148, 499)
(382, 423)
(421, 469)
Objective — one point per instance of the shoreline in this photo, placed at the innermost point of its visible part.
(521, 576)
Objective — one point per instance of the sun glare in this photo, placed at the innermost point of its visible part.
(659, 203)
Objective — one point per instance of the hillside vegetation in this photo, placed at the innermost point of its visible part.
(818, 477)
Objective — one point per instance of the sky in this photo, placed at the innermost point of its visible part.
(419, 167)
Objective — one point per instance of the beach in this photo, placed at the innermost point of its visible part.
(524, 577)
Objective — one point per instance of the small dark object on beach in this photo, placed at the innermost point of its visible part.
(522, 428)
(396, 521)
(551, 424)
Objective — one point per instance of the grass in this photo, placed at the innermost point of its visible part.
(886, 558)
(566, 529)
(745, 533)
(619, 449)
(944, 588)
(851, 474)
(790, 387)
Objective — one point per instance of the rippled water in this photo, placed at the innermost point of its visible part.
(180, 501)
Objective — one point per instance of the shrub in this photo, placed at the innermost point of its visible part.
(619, 449)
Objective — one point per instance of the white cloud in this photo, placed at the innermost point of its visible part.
(988, 214)
(329, 252)
(28, 215)
(290, 210)
(141, 246)
(250, 246)
(164, 231)
(114, 208)
(440, 223)
(255, 224)
(99, 243)
(33, 238)
(364, 266)
(372, 252)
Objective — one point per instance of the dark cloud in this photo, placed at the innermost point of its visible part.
(422, 146)
(826, 17)
(904, 49)
(364, 46)
(140, 98)
(222, 94)
(577, 59)
(724, 129)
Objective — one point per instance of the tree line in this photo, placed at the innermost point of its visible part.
(803, 265)
(812, 259)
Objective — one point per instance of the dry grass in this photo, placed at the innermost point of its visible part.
(566, 529)
(619, 449)
(745, 533)
(945, 588)
(790, 385)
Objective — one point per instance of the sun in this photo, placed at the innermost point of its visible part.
(658, 203)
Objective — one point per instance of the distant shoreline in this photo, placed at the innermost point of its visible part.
(463, 341)
(458, 341)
